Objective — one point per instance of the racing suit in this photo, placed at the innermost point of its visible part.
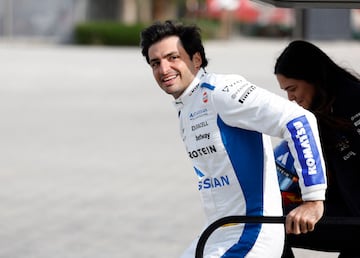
(225, 123)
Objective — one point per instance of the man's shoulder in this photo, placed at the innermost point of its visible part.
(218, 82)
(221, 89)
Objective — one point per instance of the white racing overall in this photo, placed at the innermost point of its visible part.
(225, 123)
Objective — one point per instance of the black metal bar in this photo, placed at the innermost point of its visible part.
(349, 221)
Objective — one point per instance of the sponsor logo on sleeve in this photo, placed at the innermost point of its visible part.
(246, 94)
(229, 86)
(237, 91)
(307, 151)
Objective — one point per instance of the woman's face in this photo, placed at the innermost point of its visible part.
(299, 91)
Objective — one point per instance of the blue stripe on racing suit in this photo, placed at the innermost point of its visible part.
(242, 149)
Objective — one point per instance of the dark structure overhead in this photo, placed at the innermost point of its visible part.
(344, 4)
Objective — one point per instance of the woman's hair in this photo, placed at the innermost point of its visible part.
(189, 36)
(302, 60)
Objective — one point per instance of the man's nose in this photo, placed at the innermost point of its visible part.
(164, 67)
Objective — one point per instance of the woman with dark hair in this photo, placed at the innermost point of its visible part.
(314, 81)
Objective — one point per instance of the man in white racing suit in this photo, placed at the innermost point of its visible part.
(225, 123)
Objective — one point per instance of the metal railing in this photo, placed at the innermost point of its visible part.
(349, 221)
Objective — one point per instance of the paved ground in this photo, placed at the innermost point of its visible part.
(91, 163)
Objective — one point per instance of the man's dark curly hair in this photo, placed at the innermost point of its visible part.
(189, 36)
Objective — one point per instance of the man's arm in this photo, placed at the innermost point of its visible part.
(303, 218)
(254, 108)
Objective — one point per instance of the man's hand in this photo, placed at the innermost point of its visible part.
(303, 218)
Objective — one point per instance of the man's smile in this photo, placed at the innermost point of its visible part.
(167, 80)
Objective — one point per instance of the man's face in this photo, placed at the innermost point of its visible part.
(172, 67)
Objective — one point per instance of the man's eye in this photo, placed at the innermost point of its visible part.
(154, 64)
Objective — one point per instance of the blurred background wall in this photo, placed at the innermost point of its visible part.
(55, 20)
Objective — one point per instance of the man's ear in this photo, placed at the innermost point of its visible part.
(197, 60)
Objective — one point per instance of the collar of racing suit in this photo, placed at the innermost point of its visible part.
(181, 101)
